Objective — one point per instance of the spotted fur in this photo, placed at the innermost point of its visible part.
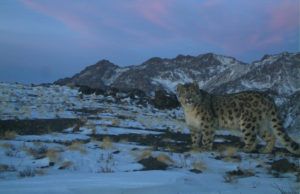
(253, 113)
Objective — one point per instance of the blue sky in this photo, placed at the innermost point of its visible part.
(44, 40)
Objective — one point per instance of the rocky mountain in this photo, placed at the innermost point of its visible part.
(279, 73)
(94, 76)
(157, 73)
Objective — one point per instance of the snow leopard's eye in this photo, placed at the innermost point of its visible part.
(188, 100)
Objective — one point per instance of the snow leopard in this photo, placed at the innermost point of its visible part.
(253, 113)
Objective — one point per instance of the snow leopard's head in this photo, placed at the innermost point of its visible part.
(189, 94)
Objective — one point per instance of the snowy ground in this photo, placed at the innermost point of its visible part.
(72, 143)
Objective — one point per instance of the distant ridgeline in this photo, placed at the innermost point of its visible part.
(215, 73)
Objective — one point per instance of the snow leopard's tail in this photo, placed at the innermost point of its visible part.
(281, 134)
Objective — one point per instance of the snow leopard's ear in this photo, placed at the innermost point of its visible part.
(196, 84)
(178, 87)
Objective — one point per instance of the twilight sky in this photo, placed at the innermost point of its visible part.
(44, 40)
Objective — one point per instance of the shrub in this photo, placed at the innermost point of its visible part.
(9, 135)
(6, 168)
(107, 163)
(27, 172)
(11, 151)
(37, 152)
(232, 176)
(66, 165)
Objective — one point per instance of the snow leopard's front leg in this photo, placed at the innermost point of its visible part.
(195, 136)
(207, 136)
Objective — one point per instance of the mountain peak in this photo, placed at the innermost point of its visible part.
(207, 55)
(153, 60)
(105, 62)
(182, 57)
(219, 59)
(270, 59)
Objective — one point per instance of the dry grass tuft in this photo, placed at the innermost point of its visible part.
(199, 165)
(53, 155)
(7, 168)
(9, 135)
(77, 146)
(145, 154)
(6, 145)
(36, 152)
(230, 154)
(139, 155)
(115, 122)
(165, 159)
(106, 143)
(230, 151)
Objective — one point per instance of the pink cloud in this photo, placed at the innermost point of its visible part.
(72, 16)
(217, 23)
(66, 17)
(154, 11)
(282, 19)
(264, 25)
(95, 23)
(285, 16)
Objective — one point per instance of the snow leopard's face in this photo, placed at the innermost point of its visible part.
(188, 94)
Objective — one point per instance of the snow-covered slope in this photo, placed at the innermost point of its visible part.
(121, 147)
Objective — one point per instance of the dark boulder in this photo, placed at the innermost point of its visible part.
(152, 163)
(136, 94)
(88, 90)
(111, 91)
(283, 165)
(165, 100)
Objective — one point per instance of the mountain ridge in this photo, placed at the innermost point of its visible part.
(213, 72)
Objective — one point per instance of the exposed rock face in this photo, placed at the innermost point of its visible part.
(87, 90)
(279, 73)
(164, 100)
(94, 76)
